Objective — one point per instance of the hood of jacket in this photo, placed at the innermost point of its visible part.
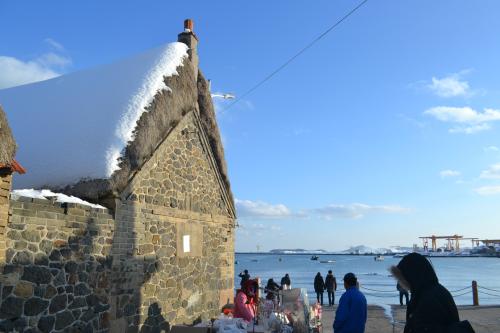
(417, 271)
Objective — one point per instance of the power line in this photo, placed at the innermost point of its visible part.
(305, 48)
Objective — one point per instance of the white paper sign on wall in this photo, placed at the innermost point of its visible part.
(185, 244)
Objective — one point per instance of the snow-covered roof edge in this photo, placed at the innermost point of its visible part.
(172, 57)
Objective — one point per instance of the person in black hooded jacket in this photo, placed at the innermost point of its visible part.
(431, 308)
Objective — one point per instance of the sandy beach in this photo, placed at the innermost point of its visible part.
(484, 319)
(377, 320)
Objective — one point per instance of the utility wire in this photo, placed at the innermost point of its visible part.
(305, 48)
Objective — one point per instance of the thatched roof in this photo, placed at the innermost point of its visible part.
(7, 143)
(164, 113)
(79, 115)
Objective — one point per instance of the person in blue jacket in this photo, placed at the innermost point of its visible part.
(352, 311)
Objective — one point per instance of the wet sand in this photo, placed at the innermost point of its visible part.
(484, 319)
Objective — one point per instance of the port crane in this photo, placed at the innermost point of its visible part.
(453, 242)
(449, 246)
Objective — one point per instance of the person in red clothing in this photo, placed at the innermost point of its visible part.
(244, 302)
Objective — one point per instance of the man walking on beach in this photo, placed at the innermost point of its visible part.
(244, 277)
(319, 287)
(331, 287)
(402, 292)
(352, 311)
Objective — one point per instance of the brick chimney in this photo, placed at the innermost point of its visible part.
(189, 38)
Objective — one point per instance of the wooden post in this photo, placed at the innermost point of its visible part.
(475, 296)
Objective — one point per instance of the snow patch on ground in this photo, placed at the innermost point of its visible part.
(46, 194)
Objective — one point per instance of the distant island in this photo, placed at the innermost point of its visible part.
(355, 250)
(297, 251)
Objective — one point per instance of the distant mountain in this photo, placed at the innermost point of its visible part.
(362, 249)
(296, 251)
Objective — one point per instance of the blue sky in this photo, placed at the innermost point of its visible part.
(385, 130)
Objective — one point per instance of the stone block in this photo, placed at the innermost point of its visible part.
(34, 306)
(24, 289)
(58, 303)
(46, 324)
(12, 307)
(37, 274)
(64, 319)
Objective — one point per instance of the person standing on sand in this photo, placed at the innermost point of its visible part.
(331, 287)
(244, 277)
(402, 291)
(285, 282)
(319, 287)
(351, 314)
(431, 308)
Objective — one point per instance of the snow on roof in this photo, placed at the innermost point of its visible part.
(75, 126)
(46, 194)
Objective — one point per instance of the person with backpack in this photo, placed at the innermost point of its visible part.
(431, 308)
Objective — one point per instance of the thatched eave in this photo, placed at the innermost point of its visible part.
(8, 145)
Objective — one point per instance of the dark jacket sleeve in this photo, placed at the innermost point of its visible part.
(433, 311)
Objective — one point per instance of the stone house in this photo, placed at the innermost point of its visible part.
(153, 243)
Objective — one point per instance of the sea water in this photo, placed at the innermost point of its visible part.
(379, 287)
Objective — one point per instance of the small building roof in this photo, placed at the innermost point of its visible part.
(77, 126)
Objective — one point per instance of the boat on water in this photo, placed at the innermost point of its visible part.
(379, 257)
(314, 258)
(327, 261)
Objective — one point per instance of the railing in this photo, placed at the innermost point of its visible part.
(475, 289)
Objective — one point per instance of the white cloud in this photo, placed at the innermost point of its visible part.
(57, 46)
(466, 119)
(356, 210)
(449, 86)
(493, 172)
(260, 209)
(463, 115)
(491, 149)
(470, 129)
(46, 66)
(260, 226)
(53, 60)
(16, 72)
(488, 190)
(449, 173)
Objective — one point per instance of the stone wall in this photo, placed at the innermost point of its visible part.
(182, 174)
(57, 267)
(5, 186)
(169, 287)
(177, 193)
(166, 256)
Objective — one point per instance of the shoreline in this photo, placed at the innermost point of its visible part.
(365, 255)
(483, 318)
